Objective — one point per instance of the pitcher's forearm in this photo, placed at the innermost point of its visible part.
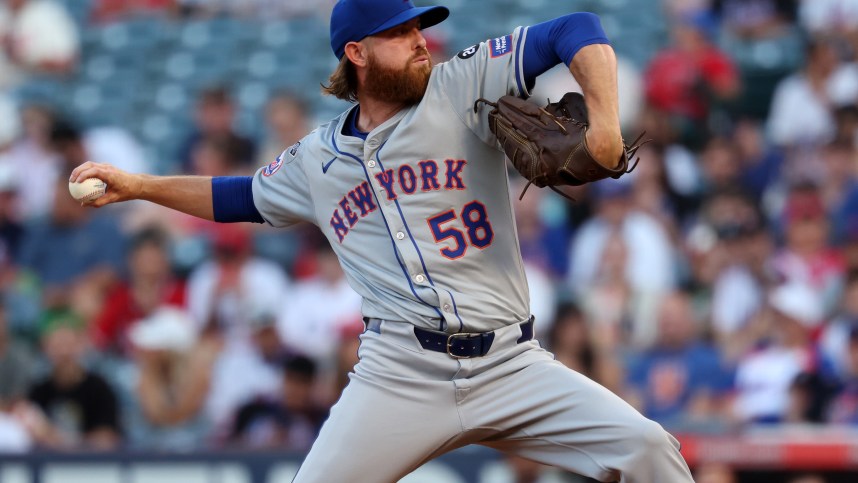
(595, 69)
(188, 194)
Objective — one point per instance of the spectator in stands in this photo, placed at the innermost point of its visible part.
(829, 16)
(571, 342)
(807, 257)
(810, 395)
(744, 274)
(649, 270)
(309, 321)
(11, 229)
(67, 141)
(287, 122)
(150, 284)
(719, 160)
(14, 434)
(116, 146)
(542, 229)
(542, 237)
(753, 26)
(835, 335)
(80, 407)
(765, 377)
(75, 254)
(10, 125)
(106, 144)
(609, 301)
(225, 295)
(267, 341)
(214, 119)
(760, 165)
(674, 181)
(217, 156)
(32, 153)
(654, 193)
(234, 285)
(839, 19)
(844, 406)
(23, 24)
(680, 380)
(16, 365)
(800, 112)
(839, 187)
(290, 423)
(755, 18)
(174, 376)
(714, 473)
(683, 80)
(230, 388)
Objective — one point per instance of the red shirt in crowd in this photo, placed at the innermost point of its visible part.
(109, 330)
(677, 81)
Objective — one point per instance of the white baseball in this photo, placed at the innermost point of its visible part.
(87, 190)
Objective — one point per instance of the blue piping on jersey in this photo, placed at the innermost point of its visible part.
(392, 241)
(413, 242)
(518, 60)
(456, 310)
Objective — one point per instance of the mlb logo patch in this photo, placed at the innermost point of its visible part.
(501, 46)
(273, 167)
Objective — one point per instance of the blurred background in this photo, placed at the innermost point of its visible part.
(715, 288)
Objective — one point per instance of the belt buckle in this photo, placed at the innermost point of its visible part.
(450, 339)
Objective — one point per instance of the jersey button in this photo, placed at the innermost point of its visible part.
(447, 307)
(372, 143)
(371, 163)
(419, 278)
(400, 235)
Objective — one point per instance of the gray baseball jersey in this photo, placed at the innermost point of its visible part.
(422, 221)
(419, 214)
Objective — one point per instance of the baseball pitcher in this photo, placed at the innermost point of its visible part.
(410, 187)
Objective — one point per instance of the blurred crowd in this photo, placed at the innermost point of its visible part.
(714, 288)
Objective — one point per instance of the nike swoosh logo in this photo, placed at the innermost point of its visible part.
(328, 164)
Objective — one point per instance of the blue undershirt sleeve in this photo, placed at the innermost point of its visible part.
(550, 43)
(232, 200)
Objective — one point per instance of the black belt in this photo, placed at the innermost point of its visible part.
(464, 345)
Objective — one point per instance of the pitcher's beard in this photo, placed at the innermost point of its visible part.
(406, 85)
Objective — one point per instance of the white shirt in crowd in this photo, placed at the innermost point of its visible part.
(262, 287)
(763, 380)
(313, 315)
(736, 297)
(543, 299)
(238, 376)
(650, 266)
(14, 437)
(828, 15)
(798, 115)
(42, 31)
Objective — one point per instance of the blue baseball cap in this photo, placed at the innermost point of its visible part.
(353, 20)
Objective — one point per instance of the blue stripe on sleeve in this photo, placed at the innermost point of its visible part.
(232, 200)
(550, 43)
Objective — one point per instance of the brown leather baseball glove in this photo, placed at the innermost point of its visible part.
(547, 145)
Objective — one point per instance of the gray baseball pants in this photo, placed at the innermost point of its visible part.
(405, 405)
